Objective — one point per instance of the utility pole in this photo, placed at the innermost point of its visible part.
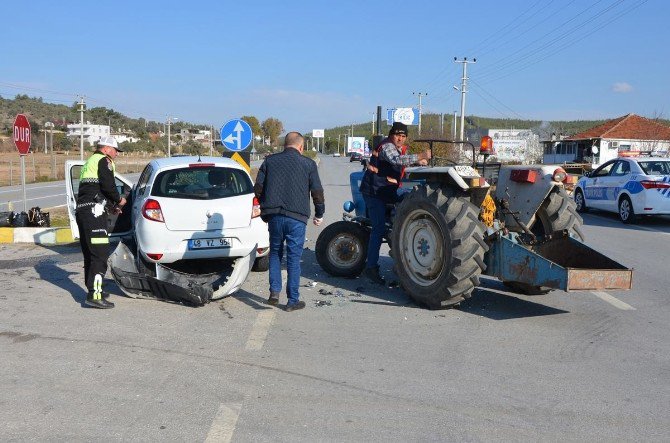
(211, 141)
(464, 80)
(420, 94)
(81, 106)
(169, 123)
(453, 127)
(168, 138)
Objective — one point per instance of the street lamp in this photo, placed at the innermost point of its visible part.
(169, 123)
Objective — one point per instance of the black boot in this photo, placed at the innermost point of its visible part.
(97, 301)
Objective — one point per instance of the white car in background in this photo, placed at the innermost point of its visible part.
(629, 186)
(190, 232)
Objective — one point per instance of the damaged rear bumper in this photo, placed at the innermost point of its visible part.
(175, 285)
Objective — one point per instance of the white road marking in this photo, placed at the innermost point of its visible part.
(613, 301)
(223, 425)
(30, 188)
(259, 331)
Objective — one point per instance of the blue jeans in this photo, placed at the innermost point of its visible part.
(287, 230)
(377, 213)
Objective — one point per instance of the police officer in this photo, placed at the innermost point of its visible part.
(97, 195)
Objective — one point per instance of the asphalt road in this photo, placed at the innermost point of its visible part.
(360, 363)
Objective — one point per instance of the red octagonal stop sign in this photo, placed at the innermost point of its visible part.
(22, 134)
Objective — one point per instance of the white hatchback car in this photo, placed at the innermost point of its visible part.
(191, 229)
(630, 186)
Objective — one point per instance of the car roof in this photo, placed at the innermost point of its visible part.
(645, 159)
(177, 162)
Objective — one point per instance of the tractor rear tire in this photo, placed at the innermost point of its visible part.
(342, 249)
(438, 246)
(557, 212)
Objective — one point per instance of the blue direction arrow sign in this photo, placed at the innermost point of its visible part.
(236, 135)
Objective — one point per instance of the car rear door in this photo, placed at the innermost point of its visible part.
(118, 226)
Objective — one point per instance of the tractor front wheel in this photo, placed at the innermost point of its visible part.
(342, 248)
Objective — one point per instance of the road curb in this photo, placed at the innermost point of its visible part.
(37, 236)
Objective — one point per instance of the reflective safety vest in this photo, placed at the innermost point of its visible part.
(89, 171)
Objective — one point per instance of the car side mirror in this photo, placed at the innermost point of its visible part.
(587, 174)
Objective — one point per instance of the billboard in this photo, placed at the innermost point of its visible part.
(511, 150)
(356, 144)
(408, 116)
(318, 133)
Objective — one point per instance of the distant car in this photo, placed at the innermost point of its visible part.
(628, 186)
(336, 154)
(189, 221)
(355, 157)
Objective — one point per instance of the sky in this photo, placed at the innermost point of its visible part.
(319, 64)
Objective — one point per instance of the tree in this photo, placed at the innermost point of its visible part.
(254, 123)
(331, 146)
(272, 128)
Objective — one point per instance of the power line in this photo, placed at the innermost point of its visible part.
(494, 98)
(496, 67)
(569, 43)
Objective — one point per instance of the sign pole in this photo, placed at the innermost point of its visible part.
(22, 142)
(23, 180)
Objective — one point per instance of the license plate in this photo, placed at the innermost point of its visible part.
(466, 171)
(210, 243)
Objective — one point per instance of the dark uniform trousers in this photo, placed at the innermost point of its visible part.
(94, 245)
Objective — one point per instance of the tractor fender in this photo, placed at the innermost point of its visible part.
(433, 174)
(525, 191)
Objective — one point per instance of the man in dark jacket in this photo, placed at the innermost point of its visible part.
(283, 187)
(380, 187)
(97, 194)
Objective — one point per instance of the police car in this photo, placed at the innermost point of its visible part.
(631, 186)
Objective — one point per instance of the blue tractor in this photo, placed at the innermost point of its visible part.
(452, 226)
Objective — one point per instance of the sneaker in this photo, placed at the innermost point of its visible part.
(295, 306)
(274, 298)
(372, 274)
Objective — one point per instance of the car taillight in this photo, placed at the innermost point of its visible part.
(650, 184)
(152, 211)
(559, 175)
(155, 256)
(255, 208)
(200, 165)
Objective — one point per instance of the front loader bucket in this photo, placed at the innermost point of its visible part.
(559, 263)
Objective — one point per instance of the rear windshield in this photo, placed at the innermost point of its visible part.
(202, 183)
(657, 167)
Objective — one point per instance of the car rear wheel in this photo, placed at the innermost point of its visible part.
(626, 212)
(261, 264)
